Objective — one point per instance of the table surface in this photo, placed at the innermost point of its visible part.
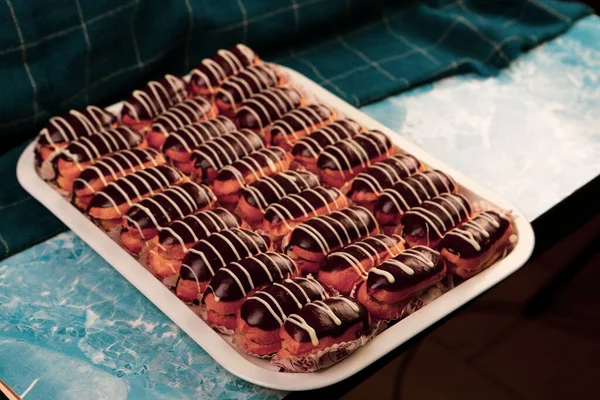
(530, 132)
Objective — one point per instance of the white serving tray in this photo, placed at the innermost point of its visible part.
(259, 371)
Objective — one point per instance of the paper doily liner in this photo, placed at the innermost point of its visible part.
(324, 358)
(426, 297)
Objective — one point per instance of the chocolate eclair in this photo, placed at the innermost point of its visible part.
(208, 77)
(179, 145)
(144, 105)
(255, 198)
(310, 242)
(394, 283)
(108, 205)
(247, 170)
(248, 82)
(185, 113)
(61, 130)
(168, 248)
(294, 209)
(410, 192)
(82, 152)
(208, 158)
(262, 109)
(343, 269)
(428, 223)
(144, 219)
(110, 168)
(306, 150)
(477, 244)
(370, 184)
(262, 314)
(321, 324)
(230, 286)
(298, 123)
(339, 163)
(209, 255)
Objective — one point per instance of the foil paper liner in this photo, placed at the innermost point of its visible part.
(322, 359)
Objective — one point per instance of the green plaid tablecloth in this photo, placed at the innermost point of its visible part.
(60, 54)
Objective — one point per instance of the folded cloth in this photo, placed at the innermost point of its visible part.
(56, 56)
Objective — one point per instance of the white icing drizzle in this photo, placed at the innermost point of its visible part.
(273, 159)
(216, 70)
(218, 224)
(410, 183)
(114, 167)
(390, 171)
(214, 150)
(263, 76)
(294, 178)
(109, 139)
(446, 203)
(307, 117)
(329, 133)
(142, 176)
(184, 113)
(395, 262)
(301, 322)
(327, 310)
(91, 121)
(190, 204)
(278, 99)
(341, 151)
(468, 236)
(328, 220)
(152, 102)
(306, 207)
(201, 132)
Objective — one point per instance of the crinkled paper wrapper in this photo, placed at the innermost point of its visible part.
(322, 359)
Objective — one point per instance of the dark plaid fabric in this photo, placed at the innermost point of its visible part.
(62, 54)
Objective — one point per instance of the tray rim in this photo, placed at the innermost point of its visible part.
(220, 350)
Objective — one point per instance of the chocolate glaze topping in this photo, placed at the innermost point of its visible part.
(267, 309)
(234, 281)
(475, 236)
(328, 318)
(116, 165)
(313, 144)
(270, 189)
(214, 70)
(407, 270)
(88, 148)
(261, 163)
(184, 113)
(176, 202)
(304, 204)
(305, 119)
(263, 108)
(191, 136)
(132, 187)
(247, 83)
(328, 233)
(414, 190)
(435, 217)
(219, 249)
(375, 249)
(193, 228)
(226, 149)
(75, 124)
(154, 98)
(384, 174)
(354, 152)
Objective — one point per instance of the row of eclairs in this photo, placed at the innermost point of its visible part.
(278, 219)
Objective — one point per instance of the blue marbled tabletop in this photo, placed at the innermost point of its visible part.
(72, 328)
